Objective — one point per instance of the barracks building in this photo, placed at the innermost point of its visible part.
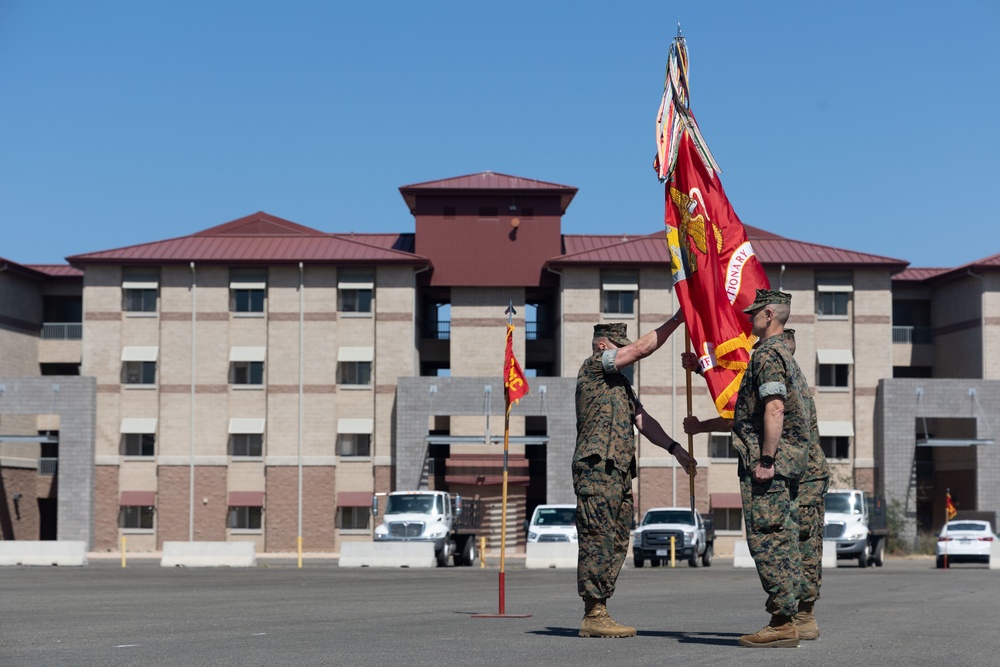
(259, 380)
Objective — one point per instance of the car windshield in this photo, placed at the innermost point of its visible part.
(668, 516)
(419, 504)
(555, 516)
(842, 503)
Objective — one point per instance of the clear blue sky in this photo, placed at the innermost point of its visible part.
(872, 126)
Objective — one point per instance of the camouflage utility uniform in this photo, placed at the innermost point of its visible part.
(771, 508)
(812, 489)
(603, 468)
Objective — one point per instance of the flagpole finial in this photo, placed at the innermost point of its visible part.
(510, 312)
(680, 35)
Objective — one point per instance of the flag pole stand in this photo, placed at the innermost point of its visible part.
(502, 613)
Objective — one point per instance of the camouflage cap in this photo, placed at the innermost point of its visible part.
(768, 297)
(616, 332)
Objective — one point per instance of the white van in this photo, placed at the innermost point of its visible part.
(553, 523)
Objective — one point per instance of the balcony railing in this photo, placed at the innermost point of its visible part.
(438, 330)
(62, 330)
(48, 465)
(537, 330)
(912, 335)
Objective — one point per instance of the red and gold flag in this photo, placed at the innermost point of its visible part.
(716, 273)
(515, 385)
(949, 506)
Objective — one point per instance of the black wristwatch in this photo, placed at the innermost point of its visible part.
(766, 461)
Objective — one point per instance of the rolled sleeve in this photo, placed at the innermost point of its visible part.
(773, 389)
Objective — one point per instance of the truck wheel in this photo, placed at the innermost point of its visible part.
(693, 560)
(879, 552)
(706, 558)
(863, 556)
(469, 552)
(639, 562)
(442, 556)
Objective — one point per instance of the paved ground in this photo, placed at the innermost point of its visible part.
(906, 613)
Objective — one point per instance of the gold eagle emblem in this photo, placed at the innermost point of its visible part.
(694, 227)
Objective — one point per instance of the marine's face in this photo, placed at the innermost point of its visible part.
(759, 319)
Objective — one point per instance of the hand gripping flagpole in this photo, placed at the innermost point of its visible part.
(511, 373)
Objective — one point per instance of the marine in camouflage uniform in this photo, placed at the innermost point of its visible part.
(771, 507)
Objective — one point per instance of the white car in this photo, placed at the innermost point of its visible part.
(965, 541)
(553, 523)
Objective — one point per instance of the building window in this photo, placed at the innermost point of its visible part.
(728, 519)
(833, 294)
(354, 293)
(135, 516)
(247, 291)
(832, 303)
(354, 444)
(618, 292)
(138, 300)
(354, 373)
(246, 445)
(834, 375)
(138, 444)
(139, 372)
(836, 447)
(245, 518)
(720, 446)
(353, 518)
(247, 372)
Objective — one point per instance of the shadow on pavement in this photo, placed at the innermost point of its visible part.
(711, 638)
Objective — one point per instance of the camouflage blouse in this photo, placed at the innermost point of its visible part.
(605, 413)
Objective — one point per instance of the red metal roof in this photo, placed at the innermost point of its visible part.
(57, 270)
(487, 181)
(258, 238)
(918, 274)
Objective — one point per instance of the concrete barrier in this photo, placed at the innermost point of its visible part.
(741, 555)
(995, 556)
(208, 554)
(829, 554)
(387, 554)
(545, 555)
(43, 552)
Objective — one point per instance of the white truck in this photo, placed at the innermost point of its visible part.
(552, 523)
(856, 523)
(694, 537)
(429, 516)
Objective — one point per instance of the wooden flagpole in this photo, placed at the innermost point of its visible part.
(690, 411)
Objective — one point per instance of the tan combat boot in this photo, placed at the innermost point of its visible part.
(597, 622)
(779, 633)
(805, 621)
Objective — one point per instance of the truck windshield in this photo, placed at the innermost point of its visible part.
(842, 503)
(668, 516)
(555, 516)
(419, 504)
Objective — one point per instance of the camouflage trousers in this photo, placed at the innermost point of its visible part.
(604, 508)
(811, 509)
(771, 512)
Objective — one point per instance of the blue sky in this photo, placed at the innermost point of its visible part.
(871, 126)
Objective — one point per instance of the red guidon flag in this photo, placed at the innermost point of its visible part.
(716, 273)
(949, 506)
(515, 385)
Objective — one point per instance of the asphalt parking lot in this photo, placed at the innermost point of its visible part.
(905, 613)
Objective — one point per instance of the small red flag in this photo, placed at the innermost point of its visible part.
(515, 385)
(716, 273)
(949, 506)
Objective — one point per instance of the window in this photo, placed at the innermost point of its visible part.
(728, 518)
(353, 518)
(618, 293)
(245, 518)
(833, 294)
(140, 291)
(354, 373)
(247, 289)
(832, 303)
(833, 375)
(836, 447)
(135, 516)
(354, 293)
(354, 444)
(720, 446)
(138, 444)
(247, 372)
(139, 372)
(246, 444)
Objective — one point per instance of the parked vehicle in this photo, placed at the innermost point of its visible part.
(552, 523)
(430, 516)
(965, 541)
(694, 537)
(856, 523)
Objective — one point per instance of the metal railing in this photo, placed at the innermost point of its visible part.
(48, 465)
(912, 335)
(438, 330)
(537, 330)
(62, 330)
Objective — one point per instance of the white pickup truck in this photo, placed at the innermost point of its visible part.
(856, 524)
(694, 537)
(429, 516)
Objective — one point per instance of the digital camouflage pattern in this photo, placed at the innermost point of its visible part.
(603, 467)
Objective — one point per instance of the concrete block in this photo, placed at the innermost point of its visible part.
(741, 555)
(829, 554)
(43, 552)
(208, 554)
(387, 554)
(545, 555)
(994, 555)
